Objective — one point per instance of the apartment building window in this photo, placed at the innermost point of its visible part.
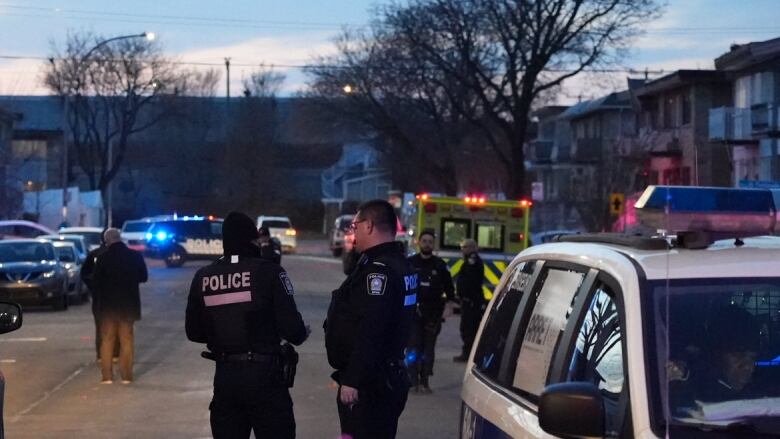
(28, 149)
(686, 108)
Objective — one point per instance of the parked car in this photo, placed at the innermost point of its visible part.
(337, 232)
(616, 335)
(93, 236)
(134, 233)
(18, 229)
(31, 273)
(70, 260)
(10, 320)
(77, 240)
(280, 228)
(183, 239)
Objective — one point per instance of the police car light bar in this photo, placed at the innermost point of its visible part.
(720, 212)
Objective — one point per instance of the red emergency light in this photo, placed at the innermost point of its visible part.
(422, 197)
(526, 203)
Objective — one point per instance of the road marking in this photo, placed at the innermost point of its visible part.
(9, 360)
(22, 339)
(47, 395)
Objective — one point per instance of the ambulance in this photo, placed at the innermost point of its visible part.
(500, 228)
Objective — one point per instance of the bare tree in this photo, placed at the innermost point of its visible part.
(508, 53)
(113, 91)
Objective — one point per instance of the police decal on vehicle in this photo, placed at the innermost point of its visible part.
(203, 246)
(376, 284)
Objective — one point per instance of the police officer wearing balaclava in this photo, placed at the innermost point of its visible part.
(242, 307)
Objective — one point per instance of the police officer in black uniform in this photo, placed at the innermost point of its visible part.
(368, 328)
(270, 248)
(472, 300)
(242, 307)
(435, 288)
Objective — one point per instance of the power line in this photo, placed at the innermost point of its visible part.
(628, 70)
(202, 21)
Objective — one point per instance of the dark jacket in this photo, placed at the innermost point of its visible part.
(435, 286)
(243, 305)
(118, 271)
(88, 269)
(370, 315)
(470, 280)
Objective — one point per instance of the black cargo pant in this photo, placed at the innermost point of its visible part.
(375, 416)
(422, 349)
(470, 317)
(249, 397)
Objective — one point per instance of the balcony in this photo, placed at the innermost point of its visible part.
(765, 119)
(541, 151)
(729, 124)
(587, 150)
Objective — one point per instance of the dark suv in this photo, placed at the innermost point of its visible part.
(185, 238)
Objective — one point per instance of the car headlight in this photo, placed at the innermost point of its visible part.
(50, 274)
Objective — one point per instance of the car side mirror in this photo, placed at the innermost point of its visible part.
(10, 317)
(572, 409)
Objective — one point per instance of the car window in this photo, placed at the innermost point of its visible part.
(27, 231)
(491, 347)
(136, 226)
(26, 252)
(66, 254)
(276, 224)
(216, 229)
(597, 357)
(453, 232)
(545, 326)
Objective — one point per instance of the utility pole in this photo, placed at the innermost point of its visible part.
(227, 67)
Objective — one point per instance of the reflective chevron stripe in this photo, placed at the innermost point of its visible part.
(493, 272)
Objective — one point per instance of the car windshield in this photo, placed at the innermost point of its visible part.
(277, 224)
(25, 252)
(136, 226)
(92, 239)
(715, 349)
(65, 253)
(344, 223)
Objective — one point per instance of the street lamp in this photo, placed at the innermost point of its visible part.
(149, 36)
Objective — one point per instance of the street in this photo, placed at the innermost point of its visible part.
(53, 385)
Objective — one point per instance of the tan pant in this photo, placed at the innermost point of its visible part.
(113, 329)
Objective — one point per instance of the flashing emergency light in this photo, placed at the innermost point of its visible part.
(526, 203)
(422, 197)
(148, 236)
(161, 235)
(721, 212)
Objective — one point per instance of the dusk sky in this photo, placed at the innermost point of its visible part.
(289, 33)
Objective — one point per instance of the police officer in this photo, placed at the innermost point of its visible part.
(368, 328)
(270, 248)
(434, 289)
(242, 306)
(472, 300)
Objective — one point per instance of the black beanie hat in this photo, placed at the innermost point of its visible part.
(427, 232)
(238, 230)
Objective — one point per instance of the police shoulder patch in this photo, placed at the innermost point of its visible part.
(376, 284)
(286, 282)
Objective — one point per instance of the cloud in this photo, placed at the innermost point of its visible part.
(282, 52)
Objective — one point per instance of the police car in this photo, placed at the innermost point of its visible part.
(674, 334)
(185, 238)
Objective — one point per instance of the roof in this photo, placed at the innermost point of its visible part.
(742, 56)
(681, 78)
(613, 101)
(756, 258)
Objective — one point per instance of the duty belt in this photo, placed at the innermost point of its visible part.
(245, 356)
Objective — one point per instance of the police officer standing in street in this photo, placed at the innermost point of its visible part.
(242, 307)
(472, 300)
(435, 288)
(270, 248)
(368, 328)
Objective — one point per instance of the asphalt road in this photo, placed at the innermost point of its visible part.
(53, 385)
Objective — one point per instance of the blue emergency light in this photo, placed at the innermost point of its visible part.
(720, 212)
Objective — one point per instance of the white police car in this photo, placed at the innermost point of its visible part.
(607, 335)
(185, 238)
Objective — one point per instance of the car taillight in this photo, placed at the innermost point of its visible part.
(290, 232)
